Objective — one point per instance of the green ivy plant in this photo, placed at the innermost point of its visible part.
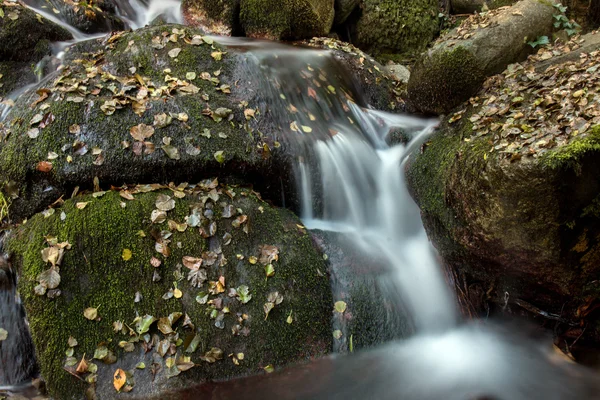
(562, 22)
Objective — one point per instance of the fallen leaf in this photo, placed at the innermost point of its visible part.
(119, 379)
(90, 313)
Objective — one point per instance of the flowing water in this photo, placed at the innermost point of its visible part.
(350, 181)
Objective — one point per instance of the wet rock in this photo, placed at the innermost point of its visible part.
(389, 26)
(398, 72)
(221, 17)
(26, 36)
(456, 66)
(372, 317)
(377, 87)
(179, 90)
(114, 255)
(93, 17)
(472, 6)
(509, 191)
(295, 19)
(343, 9)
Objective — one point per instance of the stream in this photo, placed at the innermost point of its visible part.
(349, 179)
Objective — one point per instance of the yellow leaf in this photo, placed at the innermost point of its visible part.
(340, 306)
(119, 379)
(81, 206)
(90, 313)
(127, 254)
(177, 293)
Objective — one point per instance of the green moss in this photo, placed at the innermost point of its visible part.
(389, 26)
(444, 79)
(568, 156)
(286, 19)
(95, 275)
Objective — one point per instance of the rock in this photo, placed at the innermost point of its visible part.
(112, 262)
(371, 317)
(220, 17)
(509, 190)
(473, 6)
(26, 36)
(294, 19)
(398, 72)
(195, 127)
(389, 26)
(376, 87)
(484, 44)
(343, 9)
(96, 17)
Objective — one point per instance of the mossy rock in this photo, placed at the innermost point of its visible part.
(214, 16)
(372, 316)
(89, 17)
(25, 35)
(206, 120)
(392, 26)
(286, 19)
(473, 6)
(108, 265)
(14, 75)
(516, 217)
(456, 66)
(343, 9)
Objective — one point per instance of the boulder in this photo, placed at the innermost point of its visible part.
(391, 26)
(375, 85)
(473, 6)
(220, 17)
(170, 286)
(343, 9)
(89, 17)
(484, 44)
(26, 36)
(398, 72)
(155, 105)
(290, 19)
(509, 191)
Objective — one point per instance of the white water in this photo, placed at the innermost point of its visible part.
(364, 195)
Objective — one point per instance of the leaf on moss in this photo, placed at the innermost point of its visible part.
(213, 355)
(90, 313)
(126, 254)
(141, 132)
(340, 306)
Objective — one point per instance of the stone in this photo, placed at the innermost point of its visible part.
(508, 189)
(398, 72)
(458, 63)
(115, 253)
(343, 9)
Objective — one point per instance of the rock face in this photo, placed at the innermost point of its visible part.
(290, 19)
(216, 16)
(268, 19)
(343, 9)
(391, 26)
(472, 6)
(509, 191)
(25, 38)
(142, 108)
(456, 66)
(241, 282)
(92, 17)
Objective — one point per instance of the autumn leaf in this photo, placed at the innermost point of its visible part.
(44, 166)
(127, 254)
(119, 379)
(90, 313)
(164, 203)
(3, 334)
(141, 132)
(340, 306)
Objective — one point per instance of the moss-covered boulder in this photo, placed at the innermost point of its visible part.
(25, 35)
(509, 191)
(215, 16)
(25, 38)
(392, 26)
(484, 44)
(155, 105)
(286, 19)
(241, 282)
(89, 17)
